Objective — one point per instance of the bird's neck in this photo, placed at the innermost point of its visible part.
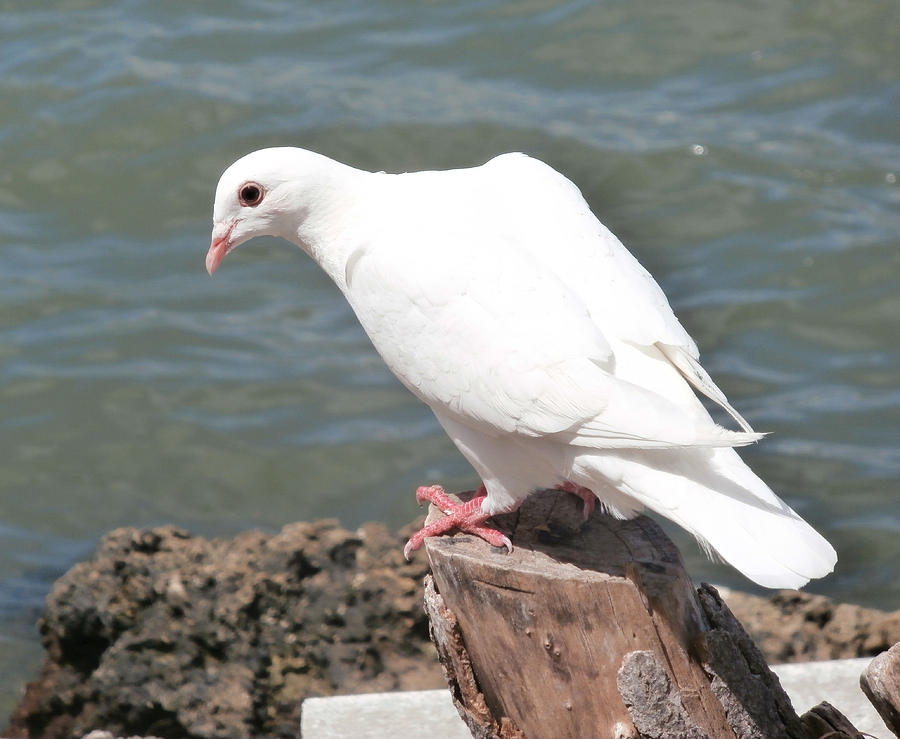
(335, 215)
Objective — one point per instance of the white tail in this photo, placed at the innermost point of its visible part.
(716, 497)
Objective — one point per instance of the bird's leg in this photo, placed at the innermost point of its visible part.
(467, 517)
(586, 494)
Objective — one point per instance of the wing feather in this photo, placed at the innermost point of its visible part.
(621, 296)
(479, 328)
(694, 373)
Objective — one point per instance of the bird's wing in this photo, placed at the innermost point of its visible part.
(621, 296)
(477, 327)
(567, 238)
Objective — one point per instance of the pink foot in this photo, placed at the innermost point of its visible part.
(467, 517)
(586, 494)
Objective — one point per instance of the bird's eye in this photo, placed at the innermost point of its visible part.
(250, 194)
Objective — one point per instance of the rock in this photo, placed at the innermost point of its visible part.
(793, 626)
(166, 633)
(169, 634)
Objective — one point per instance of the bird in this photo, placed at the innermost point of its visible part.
(545, 350)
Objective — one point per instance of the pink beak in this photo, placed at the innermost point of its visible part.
(220, 246)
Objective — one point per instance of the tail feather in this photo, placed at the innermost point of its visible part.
(717, 498)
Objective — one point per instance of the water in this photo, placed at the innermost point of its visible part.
(747, 153)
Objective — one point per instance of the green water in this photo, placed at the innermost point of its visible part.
(747, 153)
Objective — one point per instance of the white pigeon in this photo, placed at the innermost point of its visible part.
(544, 349)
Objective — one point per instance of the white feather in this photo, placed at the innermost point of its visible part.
(700, 379)
(717, 498)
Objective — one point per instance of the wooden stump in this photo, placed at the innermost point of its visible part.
(595, 630)
(880, 682)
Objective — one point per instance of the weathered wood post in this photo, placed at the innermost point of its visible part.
(594, 629)
(880, 681)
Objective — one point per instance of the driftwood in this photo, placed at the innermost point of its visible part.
(594, 629)
(880, 681)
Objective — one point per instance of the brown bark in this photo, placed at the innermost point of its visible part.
(594, 629)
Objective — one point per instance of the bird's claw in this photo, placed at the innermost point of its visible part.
(467, 517)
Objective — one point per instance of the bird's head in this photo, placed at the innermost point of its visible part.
(270, 192)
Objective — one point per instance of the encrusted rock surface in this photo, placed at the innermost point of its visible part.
(166, 633)
(169, 634)
(793, 626)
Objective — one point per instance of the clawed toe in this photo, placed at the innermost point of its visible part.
(466, 517)
(588, 496)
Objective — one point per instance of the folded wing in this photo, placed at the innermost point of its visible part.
(504, 345)
(622, 298)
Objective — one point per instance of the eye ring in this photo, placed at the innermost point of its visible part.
(250, 194)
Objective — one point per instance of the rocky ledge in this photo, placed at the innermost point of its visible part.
(169, 634)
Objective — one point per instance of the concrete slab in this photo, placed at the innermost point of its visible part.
(837, 682)
(430, 713)
(421, 713)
